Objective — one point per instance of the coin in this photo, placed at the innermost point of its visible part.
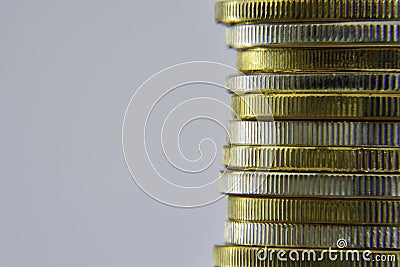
(257, 11)
(314, 34)
(309, 184)
(336, 82)
(291, 210)
(318, 59)
(245, 256)
(317, 106)
(314, 133)
(314, 158)
(291, 158)
(311, 235)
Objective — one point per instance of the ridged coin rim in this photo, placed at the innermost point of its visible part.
(289, 158)
(309, 184)
(314, 34)
(311, 235)
(314, 133)
(318, 59)
(245, 256)
(290, 210)
(337, 82)
(317, 106)
(257, 11)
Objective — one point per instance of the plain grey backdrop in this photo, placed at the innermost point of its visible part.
(67, 72)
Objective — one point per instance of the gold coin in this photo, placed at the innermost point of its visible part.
(291, 158)
(318, 59)
(249, 256)
(257, 11)
(290, 210)
(317, 106)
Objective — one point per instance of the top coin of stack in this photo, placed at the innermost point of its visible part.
(327, 167)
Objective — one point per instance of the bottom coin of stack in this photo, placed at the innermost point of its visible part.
(240, 256)
(280, 216)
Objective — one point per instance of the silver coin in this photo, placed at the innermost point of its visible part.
(311, 235)
(308, 184)
(314, 34)
(308, 82)
(314, 133)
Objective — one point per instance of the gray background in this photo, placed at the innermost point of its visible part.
(67, 72)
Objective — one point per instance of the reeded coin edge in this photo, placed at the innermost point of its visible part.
(231, 12)
(240, 256)
(306, 184)
(348, 34)
(291, 210)
(311, 235)
(314, 133)
(318, 59)
(341, 159)
(316, 106)
(336, 82)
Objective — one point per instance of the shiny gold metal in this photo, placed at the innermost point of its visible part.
(317, 106)
(257, 11)
(291, 158)
(244, 233)
(291, 210)
(246, 256)
(318, 59)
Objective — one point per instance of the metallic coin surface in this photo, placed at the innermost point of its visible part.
(314, 34)
(336, 82)
(311, 235)
(309, 184)
(333, 211)
(317, 106)
(291, 158)
(246, 256)
(313, 153)
(318, 59)
(314, 133)
(257, 11)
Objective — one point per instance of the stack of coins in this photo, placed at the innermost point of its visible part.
(324, 173)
